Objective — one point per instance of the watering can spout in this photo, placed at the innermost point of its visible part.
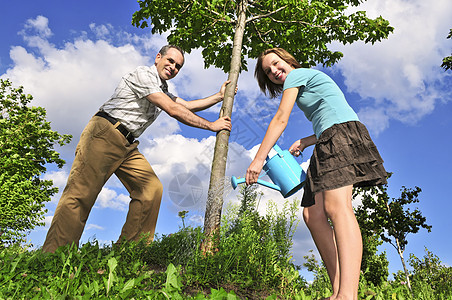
(284, 171)
(236, 181)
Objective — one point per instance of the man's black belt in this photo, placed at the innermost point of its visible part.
(127, 134)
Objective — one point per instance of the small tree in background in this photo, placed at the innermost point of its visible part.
(391, 219)
(447, 61)
(430, 273)
(26, 146)
(374, 265)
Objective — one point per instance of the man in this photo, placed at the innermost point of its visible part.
(107, 146)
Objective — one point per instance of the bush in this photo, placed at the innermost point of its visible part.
(430, 274)
(253, 251)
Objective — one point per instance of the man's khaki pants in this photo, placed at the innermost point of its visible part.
(102, 151)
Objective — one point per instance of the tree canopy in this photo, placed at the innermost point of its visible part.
(303, 28)
(26, 147)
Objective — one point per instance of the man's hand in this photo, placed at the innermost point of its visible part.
(223, 123)
(223, 89)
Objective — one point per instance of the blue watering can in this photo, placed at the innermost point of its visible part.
(285, 172)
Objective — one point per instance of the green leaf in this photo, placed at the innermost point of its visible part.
(112, 264)
(129, 285)
(172, 278)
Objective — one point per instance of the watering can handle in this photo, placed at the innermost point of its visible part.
(236, 181)
(281, 153)
(278, 150)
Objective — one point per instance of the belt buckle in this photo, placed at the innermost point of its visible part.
(129, 134)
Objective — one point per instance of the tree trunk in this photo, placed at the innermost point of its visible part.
(407, 275)
(400, 251)
(216, 188)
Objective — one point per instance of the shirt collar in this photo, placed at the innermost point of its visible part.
(162, 83)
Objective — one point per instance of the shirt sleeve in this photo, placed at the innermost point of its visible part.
(142, 82)
(296, 78)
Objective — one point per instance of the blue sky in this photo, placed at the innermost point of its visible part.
(71, 54)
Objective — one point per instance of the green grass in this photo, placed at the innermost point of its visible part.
(253, 262)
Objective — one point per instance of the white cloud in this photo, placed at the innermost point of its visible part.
(196, 220)
(175, 159)
(73, 80)
(47, 221)
(101, 31)
(163, 126)
(40, 25)
(94, 226)
(376, 119)
(59, 179)
(401, 74)
(109, 198)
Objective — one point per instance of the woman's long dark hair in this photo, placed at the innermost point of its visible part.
(265, 84)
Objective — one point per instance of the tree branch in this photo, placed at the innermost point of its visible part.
(270, 14)
(186, 8)
(221, 18)
(299, 22)
(266, 15)
(259, 33)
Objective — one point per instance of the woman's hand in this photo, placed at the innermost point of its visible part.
(255, 168)
(274, 131)
(299, 145)
(296, 148)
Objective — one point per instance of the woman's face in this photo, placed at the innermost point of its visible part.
(275, 68)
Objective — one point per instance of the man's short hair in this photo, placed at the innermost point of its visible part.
(167, 47)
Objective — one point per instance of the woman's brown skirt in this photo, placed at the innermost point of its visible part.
(343, 155)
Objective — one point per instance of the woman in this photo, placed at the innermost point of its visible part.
(344, 156)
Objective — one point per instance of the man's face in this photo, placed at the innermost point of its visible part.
(168, 65)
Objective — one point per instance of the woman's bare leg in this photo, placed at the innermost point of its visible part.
(323, 236)
(339, 210)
